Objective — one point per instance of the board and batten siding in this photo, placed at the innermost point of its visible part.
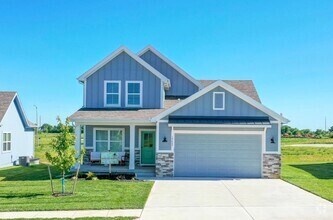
(22, 139)
(164, 131)
(272, 132)
(180, 85)
(203, 106)
(89, 135)
(123, 68)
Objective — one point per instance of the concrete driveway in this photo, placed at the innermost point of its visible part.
(233, 199)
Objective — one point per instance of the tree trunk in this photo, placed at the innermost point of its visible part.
(63, 183)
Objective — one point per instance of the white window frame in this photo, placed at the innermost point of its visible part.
(126, 97)
(105, 93)
(109, 140)
(6, 142)
(223, 95)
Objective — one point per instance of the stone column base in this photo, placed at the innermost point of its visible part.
(271, 166)
(164, 164)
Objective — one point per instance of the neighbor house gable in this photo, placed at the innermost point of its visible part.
(230, 90)
(11, 102)
(183, 84)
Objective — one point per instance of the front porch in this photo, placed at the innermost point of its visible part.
(139, 171)
(134, 144)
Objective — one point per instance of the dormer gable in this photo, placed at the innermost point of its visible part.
(183, 84)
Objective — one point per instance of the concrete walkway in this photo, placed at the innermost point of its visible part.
(243, 199)
(73, 214)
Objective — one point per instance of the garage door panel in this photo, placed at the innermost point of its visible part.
(216, 155)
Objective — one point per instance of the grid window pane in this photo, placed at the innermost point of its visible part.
(9, 147)
(101, 135)
(116, 135)
(4, 148)
(133, 99)
(112, 88)
(112, 99)
(133, 87)
(116, 147)
(101, 146)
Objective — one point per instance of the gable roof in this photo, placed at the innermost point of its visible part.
(245, 86)
(230, 89)
(6, 99)
(114, 54)
(169, 62)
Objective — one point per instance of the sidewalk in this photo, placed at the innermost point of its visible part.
(73, 214)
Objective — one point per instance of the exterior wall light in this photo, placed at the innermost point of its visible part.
(164, 139)
(272, 140)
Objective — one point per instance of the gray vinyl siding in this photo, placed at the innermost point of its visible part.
(203, 106)
(90, 134)
(123, 68)
(164, 131)
(180, 85)
(217, 155)
(272, 132)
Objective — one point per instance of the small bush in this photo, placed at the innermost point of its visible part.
(91, 176)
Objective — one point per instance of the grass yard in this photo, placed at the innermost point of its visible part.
(310, 168)
(45, 140)
(28, 189)
(291, 141)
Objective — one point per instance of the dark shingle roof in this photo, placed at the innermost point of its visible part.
(245, 86)
(5, 99)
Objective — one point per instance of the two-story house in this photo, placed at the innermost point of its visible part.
(146, 105)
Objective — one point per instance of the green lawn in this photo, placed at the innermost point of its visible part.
(310, 168)
(28, 188)
(45, 140)
(290, 141)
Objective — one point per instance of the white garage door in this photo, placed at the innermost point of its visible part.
(217, 155)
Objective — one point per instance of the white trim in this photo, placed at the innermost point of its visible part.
(105, 93)
(157, 136)
(108, 121)
(214, 97)
(147, 129)
(162, 96)
(84, 93)
(217, 132)
(3, 141)
(164, 121)
(114, 54)
(172, 64)
(231, 90)
(131, 165)
(126, 94)
(218, 126)
(108, 129)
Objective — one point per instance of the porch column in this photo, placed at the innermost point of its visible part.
(132, 148)
(77, 141)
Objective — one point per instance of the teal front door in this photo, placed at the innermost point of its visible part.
(147, 147)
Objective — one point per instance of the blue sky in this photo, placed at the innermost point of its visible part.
(286, 47)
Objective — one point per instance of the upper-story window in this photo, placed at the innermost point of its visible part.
(112, 93)
(218, 101)
(6, 142)
(133, 94)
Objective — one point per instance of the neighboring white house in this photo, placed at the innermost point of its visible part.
(16, 131)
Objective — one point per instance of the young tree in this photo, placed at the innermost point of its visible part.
(63, 155)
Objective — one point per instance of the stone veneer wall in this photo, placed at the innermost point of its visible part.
(271, 166)
(164, 164)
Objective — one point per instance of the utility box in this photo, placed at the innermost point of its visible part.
(24, 161)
